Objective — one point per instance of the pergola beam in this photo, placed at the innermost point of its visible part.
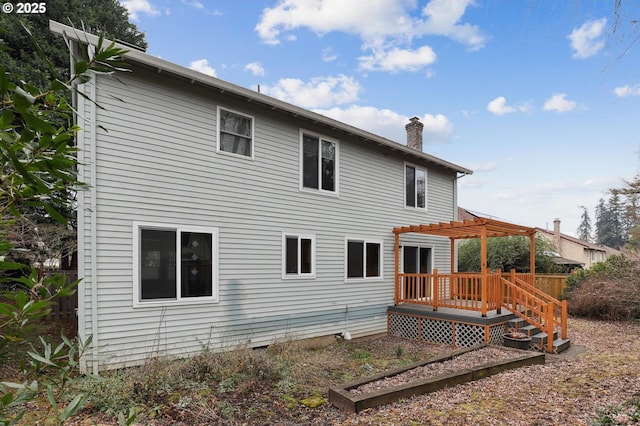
(468, 229)
(482, 228)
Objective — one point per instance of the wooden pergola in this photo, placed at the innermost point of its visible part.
(482, 228)
(487, 290)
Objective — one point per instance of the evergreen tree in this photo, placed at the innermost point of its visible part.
(609, 223)
(19, 57)
(21, 61)
(584, 230)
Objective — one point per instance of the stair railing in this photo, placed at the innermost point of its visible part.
(529, 307)
(560, 310)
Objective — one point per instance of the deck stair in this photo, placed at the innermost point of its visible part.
(538, 337)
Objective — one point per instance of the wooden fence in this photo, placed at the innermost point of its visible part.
(552, 284)
(64, 308)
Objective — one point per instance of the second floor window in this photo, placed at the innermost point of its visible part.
(235, 134)
(319, 163)
(415, 180)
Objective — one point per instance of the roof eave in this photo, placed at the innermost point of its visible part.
(197, 77)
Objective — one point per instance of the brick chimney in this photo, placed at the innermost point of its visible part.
(414, 133)
(556, 234)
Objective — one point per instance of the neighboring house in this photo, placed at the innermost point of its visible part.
(464, 214)
(573, 252)
(216, 216)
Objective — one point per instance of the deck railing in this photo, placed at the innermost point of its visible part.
(457, 290)
(513, 291)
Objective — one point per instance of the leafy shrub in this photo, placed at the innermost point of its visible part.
(610, 290)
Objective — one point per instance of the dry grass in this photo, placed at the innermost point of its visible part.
(267, 386)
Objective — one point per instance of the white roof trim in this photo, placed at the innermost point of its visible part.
(223, 86)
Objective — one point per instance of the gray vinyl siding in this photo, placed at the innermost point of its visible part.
(158, 163)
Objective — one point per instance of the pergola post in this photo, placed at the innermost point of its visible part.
(532, 257)
(396, 293)
(484, 281)
(453, 255)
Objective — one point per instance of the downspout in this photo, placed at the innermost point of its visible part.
(455, 194)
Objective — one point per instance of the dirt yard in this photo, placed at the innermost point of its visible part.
(260, 387)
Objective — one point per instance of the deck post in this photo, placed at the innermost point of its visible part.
(484, 281)
(563, 319)
(549, 326)
(498, 292)
(436, 290)
(396, 293)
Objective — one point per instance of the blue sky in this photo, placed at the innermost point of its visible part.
(540, 98)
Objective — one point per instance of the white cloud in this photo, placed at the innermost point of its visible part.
(328, 55)
(386, 27)
(437, 128)
(317, 93)
(383, 122)
(255, 68)
(395, 59)
(624, 91)
(499, 106)
(202, 65)
(193, 3)
(390, 124)
(587, 40)
(483, 167)
(362, 17)
(559, 103)
(135, 7)
(443, 19)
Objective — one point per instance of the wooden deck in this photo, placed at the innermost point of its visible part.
(487, 294)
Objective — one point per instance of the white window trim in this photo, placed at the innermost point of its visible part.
(218, 131)
(404, 188)
(364, 259)
(299, 275)
(336, 179)
(214, 298)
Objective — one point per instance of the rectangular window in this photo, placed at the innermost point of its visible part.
(319, 163)
(235, 133)
(175, 264)
(415, 180)
(298, 256)
(364, 259)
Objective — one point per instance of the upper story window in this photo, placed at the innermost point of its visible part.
(415, 186)
(235, 132)
(319, 163)
(299, 257)
(175, 264)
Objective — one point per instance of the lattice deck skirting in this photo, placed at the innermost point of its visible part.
(451, 330)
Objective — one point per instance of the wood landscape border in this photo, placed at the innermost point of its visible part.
(342, 398)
